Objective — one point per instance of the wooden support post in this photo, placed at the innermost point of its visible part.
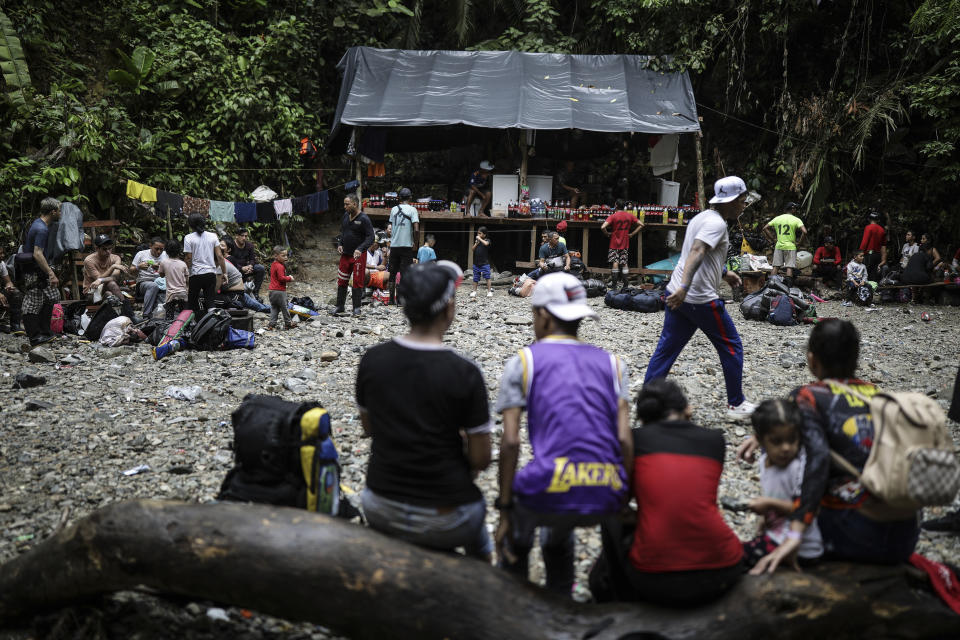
(523, 157)
(470, 238)
(359, 185)
(585, 245)
(700, 192)
(74, 287)
(640, 249)
(169, 225)
(533, 243)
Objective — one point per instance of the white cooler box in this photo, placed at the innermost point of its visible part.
(506, 188)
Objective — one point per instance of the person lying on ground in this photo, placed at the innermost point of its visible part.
(144, 268)
(682, 553)
(102, 270)
(429, 437)
(854, 525)
(175, 273)
(576, 397)
(777, 425)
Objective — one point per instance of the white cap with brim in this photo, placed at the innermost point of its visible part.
(563, 296)
(486, 165)
(727, 189)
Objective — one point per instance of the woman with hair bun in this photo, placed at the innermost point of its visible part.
(430, 426)
(683, 553)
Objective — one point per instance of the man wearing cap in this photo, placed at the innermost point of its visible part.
(404, 238)
(101, 270)
(692, 299)
(827, 261)
(874, 246)
(479, 187)
(576, 397)
(356, 235)
(620, 227)
(39, 282)
(783, 229)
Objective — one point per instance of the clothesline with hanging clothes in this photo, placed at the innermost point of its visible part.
(176, 205)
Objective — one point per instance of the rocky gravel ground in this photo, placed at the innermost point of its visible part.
(64, 445)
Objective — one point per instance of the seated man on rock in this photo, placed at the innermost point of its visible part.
(244, 257)
(102, 270)
(144, 268)
(553, 256)
(233, 285)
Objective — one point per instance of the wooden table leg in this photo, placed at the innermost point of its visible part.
(586, 247)
(533, 243)
(470, 249)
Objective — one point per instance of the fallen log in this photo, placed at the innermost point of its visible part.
(302, 566)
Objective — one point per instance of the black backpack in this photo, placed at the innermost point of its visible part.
(285, 456)
(594, 287)
(71, 316)
(104, 314)
(211, 331)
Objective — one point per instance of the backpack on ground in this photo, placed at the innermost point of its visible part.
(640, 300)
(239, 339)
(911, 462)
(595, 287)
(104, 314)
(57, 318)
(863, 295)
(285, 456)
(755, 306)
(178, 328)
(71, 316)
(782, 311)
(211, 330)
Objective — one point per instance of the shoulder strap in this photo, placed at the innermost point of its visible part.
(844, 464)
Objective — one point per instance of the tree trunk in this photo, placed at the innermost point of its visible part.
(303, 566)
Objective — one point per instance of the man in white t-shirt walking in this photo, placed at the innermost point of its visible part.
(692, 299)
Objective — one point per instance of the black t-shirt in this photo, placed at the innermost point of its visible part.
(355, 234)
(418, 398)
(918, 268)
(481, 254)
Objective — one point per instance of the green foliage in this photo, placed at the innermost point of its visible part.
(13, 63)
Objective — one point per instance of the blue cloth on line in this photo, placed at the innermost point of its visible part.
(245, 211)
(318, 202)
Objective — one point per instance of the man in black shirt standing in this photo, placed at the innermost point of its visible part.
(356, 235)
(243, 255)
(430, 426)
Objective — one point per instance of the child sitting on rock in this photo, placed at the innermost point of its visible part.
(777, 425)
(175, 273)
(856, 277)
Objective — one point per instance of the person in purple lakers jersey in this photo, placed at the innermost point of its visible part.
(576, 396)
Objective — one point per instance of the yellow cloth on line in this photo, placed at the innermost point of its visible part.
(134, 189)
(148, 194)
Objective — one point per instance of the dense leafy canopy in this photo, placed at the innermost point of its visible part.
(842, 105)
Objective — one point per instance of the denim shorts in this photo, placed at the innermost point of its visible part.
(460, 526)
(481, 270)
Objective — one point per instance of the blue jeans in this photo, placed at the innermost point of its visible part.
(679, 326)
(251, 303)
(848, 535)
(443, 529)
(557, 543)
(150, 294)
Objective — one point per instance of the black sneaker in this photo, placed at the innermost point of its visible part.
(336, 311)
(356, 313)
(949, 523)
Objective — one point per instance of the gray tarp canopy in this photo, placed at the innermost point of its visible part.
(451, 92)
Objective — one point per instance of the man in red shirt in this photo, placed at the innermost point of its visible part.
(620, 227)
(874, 244)
(827, 262)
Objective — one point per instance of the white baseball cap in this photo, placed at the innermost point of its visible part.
(563, 296)
(727, 189)
(486, 165)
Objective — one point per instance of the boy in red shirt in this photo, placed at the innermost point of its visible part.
(278, 289)
(621, 226)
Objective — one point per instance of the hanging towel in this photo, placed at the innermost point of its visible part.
(318, 202)
(148, 194)
(134, 189)
(283, 207)
(169, 202)
(265, 212)
(301, 204)
(245, 211)
(221, 211)
(69, 235)
(195, 205)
